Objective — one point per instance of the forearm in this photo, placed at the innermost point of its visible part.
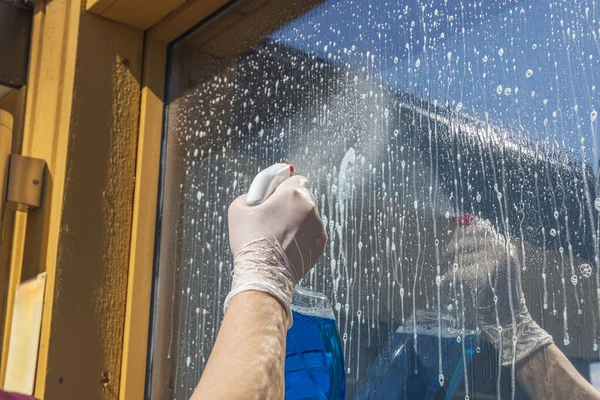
(247, 361)
(548, 374)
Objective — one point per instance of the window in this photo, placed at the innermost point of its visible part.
(400, 113)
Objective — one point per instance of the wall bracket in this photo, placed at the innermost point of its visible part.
(25, 182)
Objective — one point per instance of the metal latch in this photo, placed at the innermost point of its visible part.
(25, 182)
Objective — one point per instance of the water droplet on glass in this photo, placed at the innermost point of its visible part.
(441, 379)
(586, 270)
(528, 73)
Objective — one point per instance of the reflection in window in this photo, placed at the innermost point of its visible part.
(401, 114)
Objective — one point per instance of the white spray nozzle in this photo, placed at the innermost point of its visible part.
(267, 180)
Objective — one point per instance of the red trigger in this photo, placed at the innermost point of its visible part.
(464, 219)
(291, 168)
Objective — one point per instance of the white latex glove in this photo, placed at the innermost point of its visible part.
(277, 242)
(486, 270)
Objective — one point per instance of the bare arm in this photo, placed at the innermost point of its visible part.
(548, 374)
(247, 361)
(274, 244)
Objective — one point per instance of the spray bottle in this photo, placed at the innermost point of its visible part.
(314, 364)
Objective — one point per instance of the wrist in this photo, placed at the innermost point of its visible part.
(515, 343)
(262, 265)
(259, 302)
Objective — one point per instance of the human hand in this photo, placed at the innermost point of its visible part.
(486, 272)
(277, 242)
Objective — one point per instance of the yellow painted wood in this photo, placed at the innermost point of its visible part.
(135, 344)
(14, 103)
(8, 271)
(141, 14)
(82, 117)
(9, 102)
(16, 260)
(185, 18)
(25, 335)
(6, 121)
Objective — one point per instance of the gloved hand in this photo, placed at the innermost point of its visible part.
(277, 242)
(486, 270)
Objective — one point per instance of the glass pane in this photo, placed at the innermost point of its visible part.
(402, 115)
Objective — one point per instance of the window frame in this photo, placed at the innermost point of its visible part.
(143, 276)
(142, 312)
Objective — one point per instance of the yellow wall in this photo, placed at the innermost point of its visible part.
(96, 121)
(82, 117)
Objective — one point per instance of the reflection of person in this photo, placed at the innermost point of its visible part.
(274, 245)
(486, 270)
